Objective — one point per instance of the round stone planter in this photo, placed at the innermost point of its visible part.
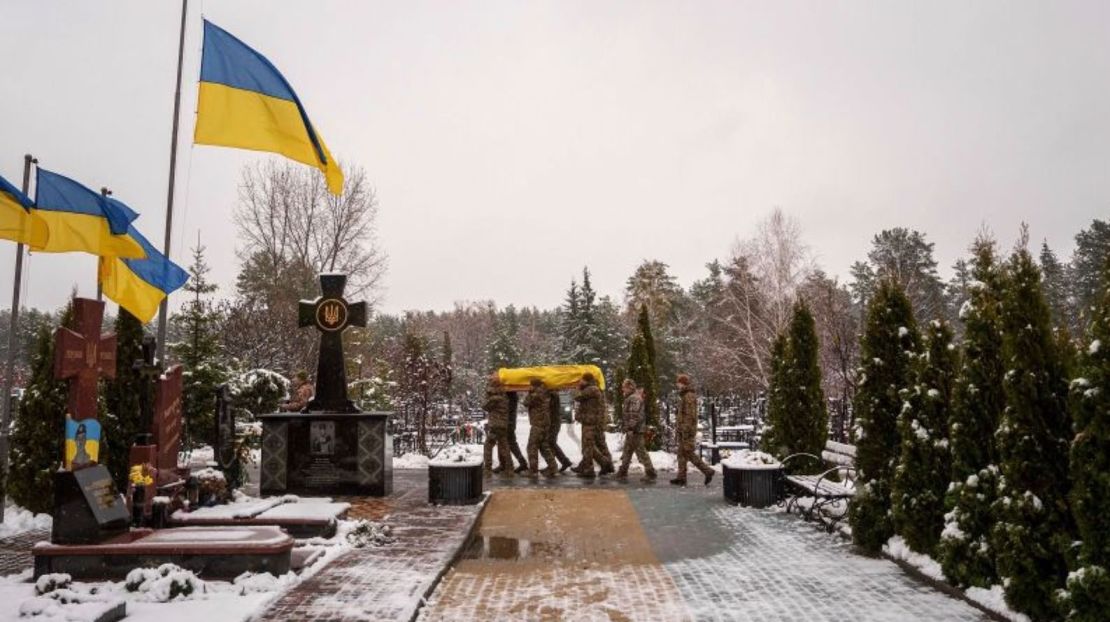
(754, 486)
(455, 483)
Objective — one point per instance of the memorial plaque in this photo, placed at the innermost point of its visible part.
(87, 507)
(321, 453)
(82, 356)
(331, 314)
(167, 419)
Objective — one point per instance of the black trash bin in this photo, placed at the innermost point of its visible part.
(455, 483)
(756, 486)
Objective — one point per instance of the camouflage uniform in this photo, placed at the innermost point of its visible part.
(514, 446)
(301, 396)
(538, 402)
(497, 431)
(556, 424)
(591, 414)
(634, 436)
(687, 430)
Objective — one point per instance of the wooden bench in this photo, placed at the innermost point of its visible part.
(828, 493)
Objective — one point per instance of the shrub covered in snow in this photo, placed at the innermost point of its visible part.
(887, 349)
(363, 533)
(920, 479)
(1032, 531)
(54, 581)
(964, 551)
(258, 391)
(1088, 588)
(164, 583)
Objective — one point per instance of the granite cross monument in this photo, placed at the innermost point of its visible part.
(331, 314)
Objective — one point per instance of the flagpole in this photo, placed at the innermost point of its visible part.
(104, 192)
(163, 308)
(9, 365)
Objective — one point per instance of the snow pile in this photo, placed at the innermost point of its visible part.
(54, 581)
(363, 533)
(18, 520)
(995, 600)
(56, 598)
(458, 455)
(164, 583)
(747, 459)
(261, 582)
(411, 460)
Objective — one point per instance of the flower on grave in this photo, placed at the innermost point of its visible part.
(140, 475)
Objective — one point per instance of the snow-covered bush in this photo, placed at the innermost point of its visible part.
(887, 349)
(363, 533)
(258, 391)
(53, 581)
(164, 583)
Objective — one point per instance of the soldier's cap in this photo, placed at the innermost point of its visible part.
(589, 377)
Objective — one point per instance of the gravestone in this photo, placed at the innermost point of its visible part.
(331, 314)
(149, 371)
(82, 356)
(87, 507)
(331, 447)
(167, 423)
(226, 456)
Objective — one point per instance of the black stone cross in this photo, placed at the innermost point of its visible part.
(331, 314)
(148, 371)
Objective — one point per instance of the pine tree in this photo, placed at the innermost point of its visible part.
(919, 483)
(1088, 587)
(964, 552)
(121, 394)
(1056, 287)
(887, 349)
(1092, 250)
(1032, 529)
(36, 439)
(199, 353)
(504, 350)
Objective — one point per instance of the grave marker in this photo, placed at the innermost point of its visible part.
(331, 314)
(82, 356)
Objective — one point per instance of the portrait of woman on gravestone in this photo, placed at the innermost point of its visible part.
(322, 437)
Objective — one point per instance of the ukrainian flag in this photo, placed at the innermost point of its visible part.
(139, 285)
(18, 222)
(82, 220)
(245, 102)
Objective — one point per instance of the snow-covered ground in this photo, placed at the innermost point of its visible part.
(17, 520)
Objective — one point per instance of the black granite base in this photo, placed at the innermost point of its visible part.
(326, 453)
(101, 567)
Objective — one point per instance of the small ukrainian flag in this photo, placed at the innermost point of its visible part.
(18, 221)
(245, 102)
(139, 285)
(81, 220)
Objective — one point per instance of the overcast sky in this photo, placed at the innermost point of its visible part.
(511, 143)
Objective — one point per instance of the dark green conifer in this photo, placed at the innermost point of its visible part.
(887, 350)
(121, 396)
(919, 480)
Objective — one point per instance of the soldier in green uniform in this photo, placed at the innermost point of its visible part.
(634, 432)
(556, 424)
(538, 401)
(687, 431)
(591, 414)
(497, 429)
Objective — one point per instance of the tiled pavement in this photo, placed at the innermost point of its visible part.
(386, 582)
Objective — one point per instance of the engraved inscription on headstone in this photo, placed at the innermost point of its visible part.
(331, 314)
(167, 419)
(87, 507)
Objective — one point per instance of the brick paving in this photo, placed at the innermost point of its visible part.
(386, 582)
(15, 551)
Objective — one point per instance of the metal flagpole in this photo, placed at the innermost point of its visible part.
(104, 192)
(9, 365)
(163, 308)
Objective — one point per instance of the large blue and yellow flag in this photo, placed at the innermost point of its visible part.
(245, 102)
(18, 222)
(139, 285)
(81, 220)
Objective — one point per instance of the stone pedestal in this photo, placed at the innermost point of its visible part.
(326, 453)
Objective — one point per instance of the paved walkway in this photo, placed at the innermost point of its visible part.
(661, 553)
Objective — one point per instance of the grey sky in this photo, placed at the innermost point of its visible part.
(511, 143)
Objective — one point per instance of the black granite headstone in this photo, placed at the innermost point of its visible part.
(326, 453)
(331, 314)
(225, 430)
(87, 507)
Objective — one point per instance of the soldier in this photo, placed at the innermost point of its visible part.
(687, 431)
(538, 402)
(497, 429)
(556, 424)
(514, 446)
(591, 415)
(301, 393)
(634, 432)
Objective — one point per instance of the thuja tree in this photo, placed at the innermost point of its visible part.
(641, 368)
(964, 552)
(919, 480)
(887, 349)
(797, 406)
(773, 439)
(1032, 528)
(1088, 587)
(36, 439)
(121, 396)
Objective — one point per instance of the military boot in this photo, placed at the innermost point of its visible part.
(606, 469)
(679, 481)
(649, 477)
(522, 468)
(566, 465)
(550, 472)
(708, 477)
(622, 474)
(587, 474)
(533, 475)
(497, 469)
